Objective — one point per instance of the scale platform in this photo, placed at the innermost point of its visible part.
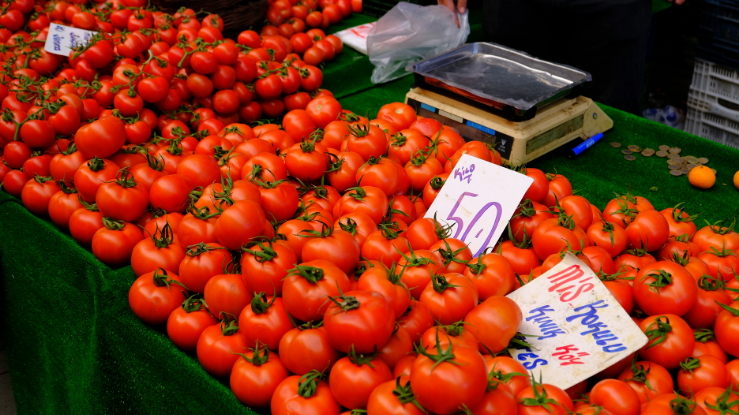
(518, 143)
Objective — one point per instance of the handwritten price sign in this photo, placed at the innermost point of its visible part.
(62, 39)
(582, 329)
(478, 199)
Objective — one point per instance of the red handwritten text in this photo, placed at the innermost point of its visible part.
(576, 284)
(568, 356)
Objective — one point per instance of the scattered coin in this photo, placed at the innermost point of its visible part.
(703, 160)
(714, 171)
(629, 157)
(673, 156)
(615, 145)
(647, 152)
(685, 170)
(676, 173)
(676, 167)
(661, 153)
(691, 159)
(634, 148)
(627, 152)
(692, 166)
(664, 147)
(675, 150)
(680, 160)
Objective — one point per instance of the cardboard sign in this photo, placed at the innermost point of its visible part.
(478, 199)
(582, 329)
(356, 37)
(62, 39)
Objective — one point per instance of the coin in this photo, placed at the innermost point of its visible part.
(703, 160)
(664, 147)
(676, 167)
(647, 152)
(661, 153)
(692, 166)
(714, 171)
(676, 173)
(679, 160)
(627, 152)
(691, 159)
(675, 150)
(673, 156)
(629, 157)
(634, 148)
(685, 171)
(615, 145)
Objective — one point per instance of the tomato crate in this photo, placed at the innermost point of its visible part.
(715, 80)
(718, 40)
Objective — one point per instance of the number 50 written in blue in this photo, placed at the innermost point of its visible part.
(472, 228)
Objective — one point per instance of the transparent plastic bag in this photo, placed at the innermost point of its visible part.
(409, 33)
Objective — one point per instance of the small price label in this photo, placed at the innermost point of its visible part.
(477, 200)
(62, 39)
(577, 327)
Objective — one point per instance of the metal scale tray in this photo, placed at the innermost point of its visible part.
(509, 83)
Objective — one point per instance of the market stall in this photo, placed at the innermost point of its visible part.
(74, 346)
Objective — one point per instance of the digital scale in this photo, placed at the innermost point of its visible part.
(489, 93)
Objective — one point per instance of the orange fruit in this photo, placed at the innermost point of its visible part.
(702, 177)
(736, 179)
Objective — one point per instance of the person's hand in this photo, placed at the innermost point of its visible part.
(462, 7)
(677, 2)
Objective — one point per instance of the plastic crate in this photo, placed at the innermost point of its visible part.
(712, 127)
(716, 80)
(718, 40)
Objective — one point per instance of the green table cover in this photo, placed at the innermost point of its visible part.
(75, 347)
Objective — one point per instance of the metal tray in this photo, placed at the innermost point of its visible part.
(499, 77)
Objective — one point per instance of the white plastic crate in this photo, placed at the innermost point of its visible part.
(712, 127)
(715, 80)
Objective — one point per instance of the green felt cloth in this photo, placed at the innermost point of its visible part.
(74, 347)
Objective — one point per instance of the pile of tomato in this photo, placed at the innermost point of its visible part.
(295, 259)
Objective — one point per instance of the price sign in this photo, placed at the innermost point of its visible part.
(477, 200)
(62, 39)
(581, 328)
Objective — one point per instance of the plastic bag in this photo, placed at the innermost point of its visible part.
(409, 33)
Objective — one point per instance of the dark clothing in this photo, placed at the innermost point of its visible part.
(607, 38)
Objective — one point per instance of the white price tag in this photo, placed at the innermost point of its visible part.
(582, 329)
(478, 199)
(356, 37)
(62, 39)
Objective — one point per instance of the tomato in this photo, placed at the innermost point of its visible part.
(292, 396)
(556, 234)
(101, 138)
(494, 322)
(727, 325)
(700, 373)
(353, 378)
(670, 340)
(647, 379)
(447, 378)
(37, 193)
(227, 293)
(386, 282)
(400, 115)
(158, 251)
(450, 297)
(665, 287)
(416, 320)
(720, 235)
(454, 253)
(528, 216)
(707, 306)
(367, 199)
(307, 287)
(559, 188)
(113, 243)
(679, 222)
(706, 344)
(201, 263)
(367, 141)
(342, 170)
(255, 377)
(508, 371)
(306, 348)
(615, 396)
(186, 323)
(492, 275)
(609, 236)
(62, 205)
(360, 321)
(154, 295)
(265, 321)
(219, 346)
(171, 192)
(555, 399)
(122, 199)
(649, 230)
(265, 266)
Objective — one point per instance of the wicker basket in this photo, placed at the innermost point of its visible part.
(237, 15)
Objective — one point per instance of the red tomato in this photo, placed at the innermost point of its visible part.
(665, 287)
(359, 320)
(113, 243)
(316, 399)
(203, 262)
(308, 286)
(185, 324)
(255, 377)
(219, 347)
(265, 321)
(494, 322)
(122, 199)
(394, 397)
(353, 378)
(306, 348)
(700, 373)
(671, 340)
(615, 396)
(158, 251)
(450, 297)
(154, 295)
